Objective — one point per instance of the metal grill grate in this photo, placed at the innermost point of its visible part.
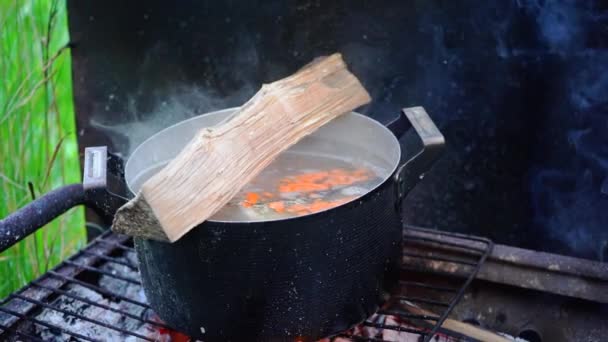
(96, 295)
(417, 310)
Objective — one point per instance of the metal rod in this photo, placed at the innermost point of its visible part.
(356, 338)
(394, 327)
(446, 243)
(447, 233)
(99, 289)
(402, 314)
(443, 273)
(111, 259)
(440, 258)
(489, 246)
(427, 286)
(109, 274)
(422, 300)
(117, 245)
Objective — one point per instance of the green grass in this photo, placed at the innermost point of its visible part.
(37, 132)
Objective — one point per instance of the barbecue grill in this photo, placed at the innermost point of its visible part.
(96, 295)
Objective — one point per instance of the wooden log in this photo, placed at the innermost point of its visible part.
(220, 160)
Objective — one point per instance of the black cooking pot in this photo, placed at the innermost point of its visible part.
(309, 277)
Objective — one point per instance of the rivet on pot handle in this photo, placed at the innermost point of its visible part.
(413, 170)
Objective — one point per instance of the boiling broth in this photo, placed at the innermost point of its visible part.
(295, 184)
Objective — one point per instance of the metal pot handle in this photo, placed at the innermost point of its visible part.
(433, 142)
(16, 226)
(44, 209)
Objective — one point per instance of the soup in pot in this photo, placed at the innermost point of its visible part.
(295, 184)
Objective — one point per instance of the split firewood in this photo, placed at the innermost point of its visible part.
(220, 160)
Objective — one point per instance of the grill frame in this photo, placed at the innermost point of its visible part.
(19, 309)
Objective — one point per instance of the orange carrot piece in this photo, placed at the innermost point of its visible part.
(308, 186)
(277, 206)
(251, 198)
(321, 181)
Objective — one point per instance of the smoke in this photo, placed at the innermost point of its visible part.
(569, 207)
(559, 24)
(570, 193)
(588, 84)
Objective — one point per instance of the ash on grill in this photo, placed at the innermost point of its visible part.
(99, 313)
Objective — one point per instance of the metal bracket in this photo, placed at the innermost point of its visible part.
(95, 167)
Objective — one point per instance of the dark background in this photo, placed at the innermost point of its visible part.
(519, 88)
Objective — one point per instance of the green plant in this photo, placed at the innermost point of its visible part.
(38, 148)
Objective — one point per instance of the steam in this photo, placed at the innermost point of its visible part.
(162, 98)
(181, 103)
